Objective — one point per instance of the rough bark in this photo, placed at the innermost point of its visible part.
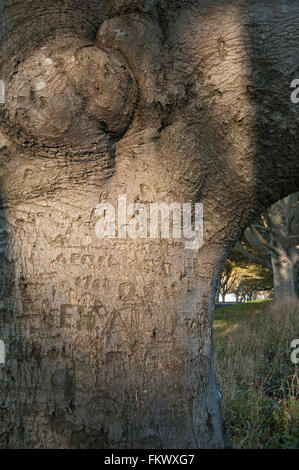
(110, 343)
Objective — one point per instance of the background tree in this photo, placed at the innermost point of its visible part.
(109, 342)
(244, 278)
(253, 281)
(228, 279)
(274, 242)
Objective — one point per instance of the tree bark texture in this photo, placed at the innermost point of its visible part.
(109, 343)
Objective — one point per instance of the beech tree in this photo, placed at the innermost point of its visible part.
(275, 243)
(253, 281)
(229, 278)
(243, 278)
(109, 343)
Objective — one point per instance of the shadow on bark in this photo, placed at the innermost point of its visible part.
(6, 324)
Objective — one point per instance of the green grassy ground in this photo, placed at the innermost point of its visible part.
(259, 383)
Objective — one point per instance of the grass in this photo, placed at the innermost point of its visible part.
(259, 383)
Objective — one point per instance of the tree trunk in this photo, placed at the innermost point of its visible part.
(284, 214)
(284, 277)
(109, 342)
(114, 349)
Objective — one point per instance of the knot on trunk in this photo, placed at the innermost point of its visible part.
(140, 41)
(108, 86)
(67, 94)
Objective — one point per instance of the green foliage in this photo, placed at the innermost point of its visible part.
(259, 383)
(244, 278)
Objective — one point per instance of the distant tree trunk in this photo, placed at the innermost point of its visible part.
(285, 239)
(277, 247)
(284, 278)
(110, 342)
